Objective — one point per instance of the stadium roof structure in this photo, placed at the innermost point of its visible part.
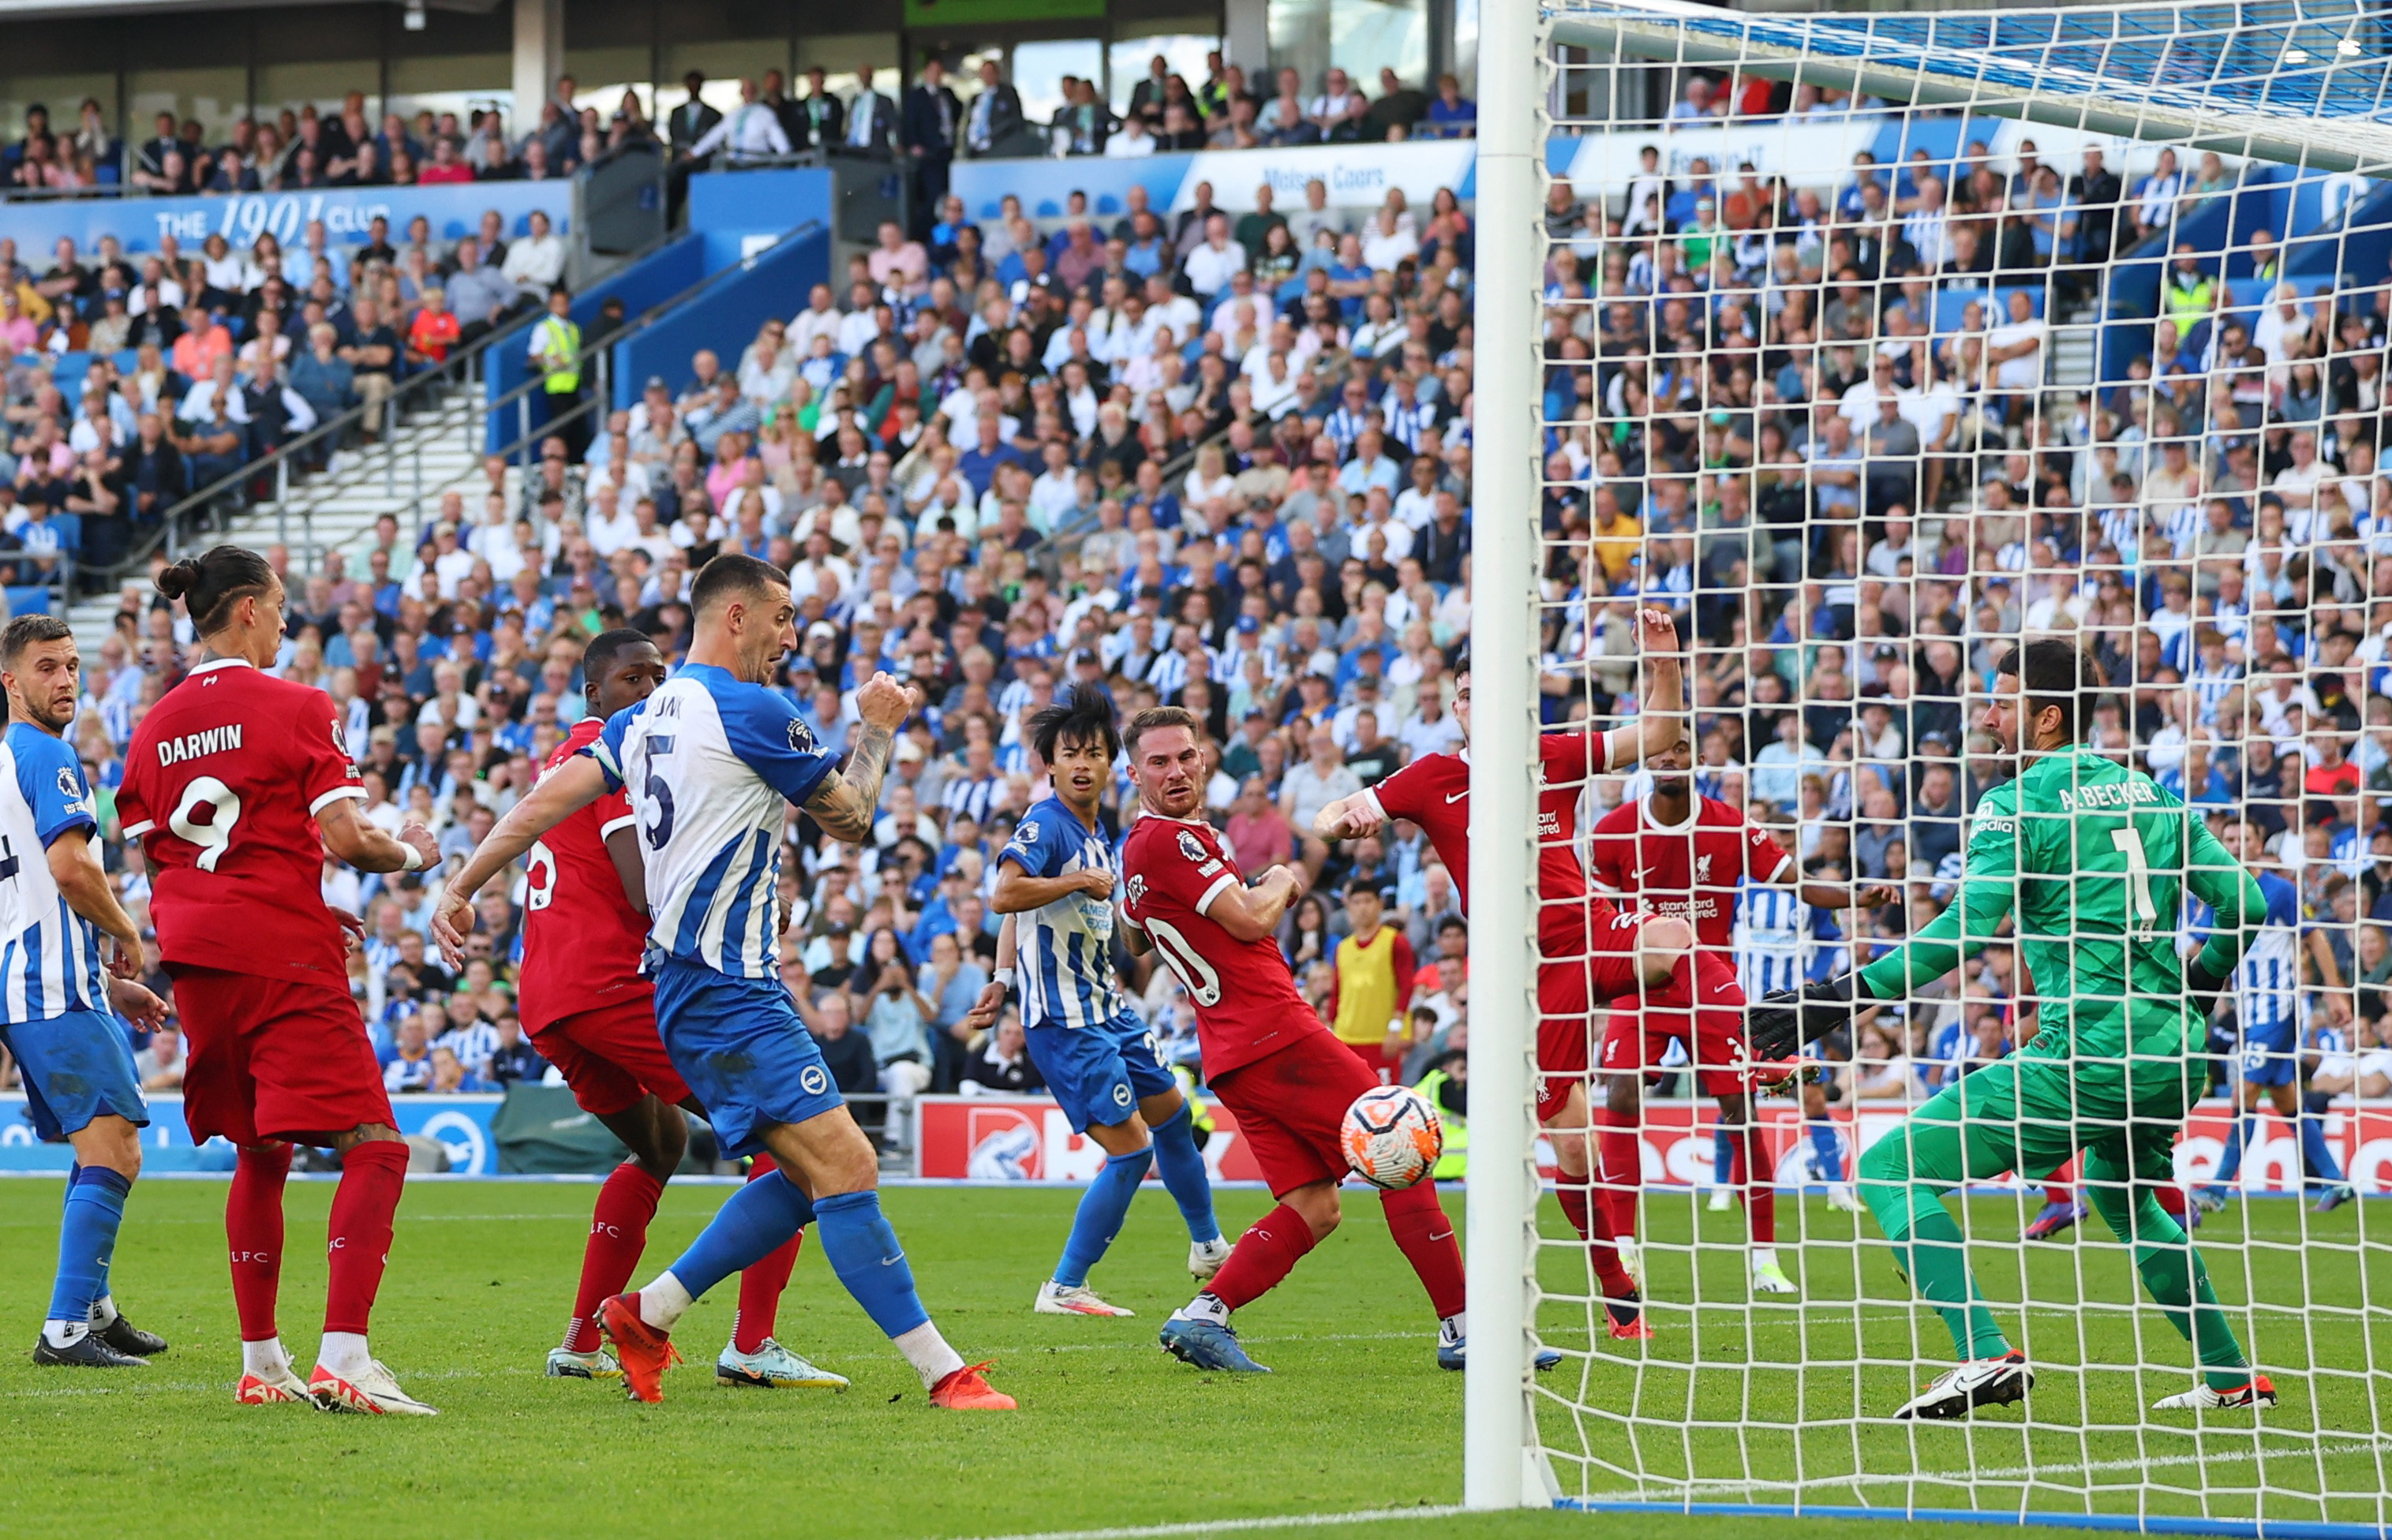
(2303, 82)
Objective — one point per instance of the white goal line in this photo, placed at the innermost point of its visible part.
(2010, 1476)
(1237, 1526)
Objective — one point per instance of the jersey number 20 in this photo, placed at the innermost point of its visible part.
(1193, 971)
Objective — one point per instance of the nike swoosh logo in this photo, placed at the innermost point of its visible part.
(891, 1261)
(1455, 797)
(1723, 988)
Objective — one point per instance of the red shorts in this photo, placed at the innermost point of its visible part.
(1712, 1031)
(274, 1058)
(1601, 965)
(612, 1056)
(1372, 1057)
(1290, 1105)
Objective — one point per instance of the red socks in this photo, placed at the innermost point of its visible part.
(760, 1285)
(253, 1231)
(1585, 1218)
(618, 1231)
(1264, 1255)
(1426, 1238)
(1756, 1183)
(363, 1206)
(1620, 1153)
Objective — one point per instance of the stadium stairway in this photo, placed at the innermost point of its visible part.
(434, 450)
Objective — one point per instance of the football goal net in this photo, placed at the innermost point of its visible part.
(1866, 346)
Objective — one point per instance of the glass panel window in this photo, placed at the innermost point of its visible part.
(1039, 69)
(1182, 50)
(213, 97)
(602, 75)
(1358, 36)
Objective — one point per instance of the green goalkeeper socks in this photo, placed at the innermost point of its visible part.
(1930, 1248)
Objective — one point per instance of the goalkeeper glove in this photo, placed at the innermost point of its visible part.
(2204, 986)
(1787, 1019)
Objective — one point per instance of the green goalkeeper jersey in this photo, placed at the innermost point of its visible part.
(2092, 860)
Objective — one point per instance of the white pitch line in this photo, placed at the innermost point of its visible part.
(1236, 1526)
(2013, 1474)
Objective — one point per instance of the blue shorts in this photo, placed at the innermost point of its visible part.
(2270, 1056)
(1099, 1074)
(744, 1051)
(76, 1067)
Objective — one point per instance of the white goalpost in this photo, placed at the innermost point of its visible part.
(1868, 344)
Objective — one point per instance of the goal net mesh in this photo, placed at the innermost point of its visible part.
(1871, 345)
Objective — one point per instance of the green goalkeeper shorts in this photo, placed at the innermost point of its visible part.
(2032, 1114)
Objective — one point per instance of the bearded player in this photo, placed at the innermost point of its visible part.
(2092, 860)
(1590, 951)
(1680, 854)
(58, 1004)
(593, 1014)
(1267, 1055)
(236, 783)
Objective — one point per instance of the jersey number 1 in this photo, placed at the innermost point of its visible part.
(2138, 880)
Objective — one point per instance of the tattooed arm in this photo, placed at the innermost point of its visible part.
(848, 800)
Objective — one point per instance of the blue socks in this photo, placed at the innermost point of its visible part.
(2316, 1156)
(2315, 1153)
(94, 1206)
(1825, 1153)
(2231, 1165)
(760, 1216)
(864, 1252)
(1722, 1156)
(1181, 1165)
(1102, 1209)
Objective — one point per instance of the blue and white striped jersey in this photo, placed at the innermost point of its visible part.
(50, 963)
(1064, 949)
(2268, 980)
(711, 763)
(1769, 938)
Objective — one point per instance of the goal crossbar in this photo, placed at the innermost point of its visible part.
(2300, 84)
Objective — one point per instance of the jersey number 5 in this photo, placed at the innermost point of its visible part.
(658, 794)
(214, 836)
(2138, 880)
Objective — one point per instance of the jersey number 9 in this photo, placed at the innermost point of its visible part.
(214, 836)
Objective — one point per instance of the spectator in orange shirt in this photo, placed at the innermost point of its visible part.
(204, 339)
(434, 332)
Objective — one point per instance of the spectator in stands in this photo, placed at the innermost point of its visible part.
(753, 131)
(995, 115)
(871, 119)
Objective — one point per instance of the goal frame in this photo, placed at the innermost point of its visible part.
(1503, 1465)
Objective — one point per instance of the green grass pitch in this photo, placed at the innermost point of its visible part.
(1113, 1435)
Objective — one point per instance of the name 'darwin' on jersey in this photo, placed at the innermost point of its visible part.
(192, 745)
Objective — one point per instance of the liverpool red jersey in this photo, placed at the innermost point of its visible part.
(582, 938)
(1246, 1002)
(1434, 791)
(1690, 870)
(223, 781)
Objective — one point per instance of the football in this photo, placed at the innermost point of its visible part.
(1392, 1137)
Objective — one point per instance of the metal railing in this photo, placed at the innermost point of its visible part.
(468, 410)
(527, 432)
(230, 492)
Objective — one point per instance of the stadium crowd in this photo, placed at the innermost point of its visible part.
(1224, 462)
(196, 363)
